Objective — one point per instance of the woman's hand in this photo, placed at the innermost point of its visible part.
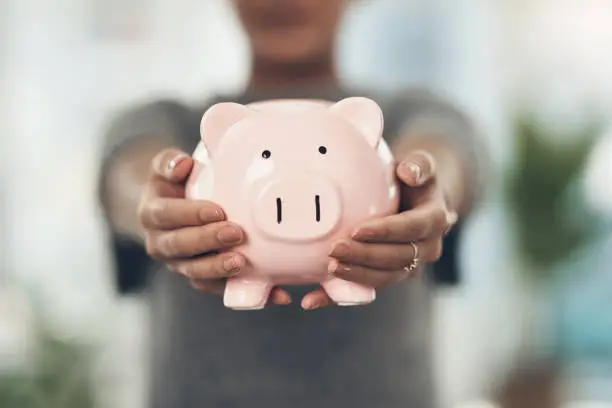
(186, 234)
(380, 251)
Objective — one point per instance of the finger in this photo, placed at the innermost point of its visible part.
(280, 297)
(161, 188)
(385, 257)
(172, 165)
(172, 213)
(417, 168)
(366, 276)
(211, 286)
(209, 267)
(316, 299)
(192, 241)
(405, 227)
(427, 251)
(451, 220)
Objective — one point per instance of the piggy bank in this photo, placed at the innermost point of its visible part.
(296, 175)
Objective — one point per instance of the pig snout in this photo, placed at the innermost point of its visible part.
(299, 208)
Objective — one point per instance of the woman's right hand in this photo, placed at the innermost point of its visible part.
(187, 234)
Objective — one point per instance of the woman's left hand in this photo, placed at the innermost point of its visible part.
(381, 251)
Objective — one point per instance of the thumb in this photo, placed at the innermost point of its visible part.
(417, 168)
(172, 165)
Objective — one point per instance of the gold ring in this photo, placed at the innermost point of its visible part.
(414, 264)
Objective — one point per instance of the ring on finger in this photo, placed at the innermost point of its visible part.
(414, 264)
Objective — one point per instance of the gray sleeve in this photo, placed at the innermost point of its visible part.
(424, 113)
(165, 120)
(420, 112)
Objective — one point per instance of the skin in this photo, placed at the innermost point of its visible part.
(146, 194)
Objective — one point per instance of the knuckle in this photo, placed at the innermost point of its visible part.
(439, 218)
(172, 267)
(435, 251)
(187, 269)
(155, 210)
(152, 247)
(170, 243)
(141, 213)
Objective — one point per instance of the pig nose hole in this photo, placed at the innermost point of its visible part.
(279, 210)
(318, 208)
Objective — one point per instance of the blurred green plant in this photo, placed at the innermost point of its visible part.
(61, 377)
(539, 186)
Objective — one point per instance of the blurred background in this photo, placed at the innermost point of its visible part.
(530, 325)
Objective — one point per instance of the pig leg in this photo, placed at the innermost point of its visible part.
(345, 293)
(247, 293)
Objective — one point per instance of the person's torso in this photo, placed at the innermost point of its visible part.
(205, 355)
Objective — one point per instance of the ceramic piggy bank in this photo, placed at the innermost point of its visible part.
(296, 175)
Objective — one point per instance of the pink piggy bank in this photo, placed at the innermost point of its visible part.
(296, 175)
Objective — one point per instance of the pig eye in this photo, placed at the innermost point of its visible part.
(266, 154)
(322, 149)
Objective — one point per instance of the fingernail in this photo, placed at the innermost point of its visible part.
(206, 216)
(175, 162)
(313, 306)
(220, 214)
(230, 235)
(233, 264)
(283, 299)
(414, 170)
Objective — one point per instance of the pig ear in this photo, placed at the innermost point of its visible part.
(218, 119)
(364, 114)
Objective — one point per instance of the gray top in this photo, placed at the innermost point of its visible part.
(204, 355)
